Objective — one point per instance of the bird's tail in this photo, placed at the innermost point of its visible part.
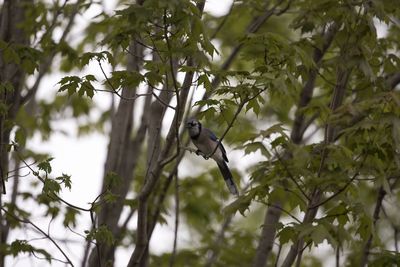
(226, 173)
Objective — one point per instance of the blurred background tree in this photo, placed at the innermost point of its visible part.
(302, 93)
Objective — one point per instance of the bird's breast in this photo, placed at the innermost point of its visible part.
(207, 146)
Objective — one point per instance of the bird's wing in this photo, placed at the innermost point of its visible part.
(214, 138)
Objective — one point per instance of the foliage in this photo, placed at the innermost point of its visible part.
(303, 93)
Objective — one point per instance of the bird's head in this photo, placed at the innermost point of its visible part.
(194, 127)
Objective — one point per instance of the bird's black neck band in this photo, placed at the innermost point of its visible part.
(198, 134)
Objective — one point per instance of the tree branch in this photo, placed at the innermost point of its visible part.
(174, 250)
(308, 89)
(46, 63)
(153, 176)
(273, 214)
(267, 236)
(26, 221)
(337, 98)
(253, 27)
(367, 246)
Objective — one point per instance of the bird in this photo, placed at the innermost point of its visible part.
(206, 142)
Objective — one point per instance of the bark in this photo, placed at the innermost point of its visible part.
(153, 176)
(122, 157)
(267, 237)
(308, 89)
(12, 14)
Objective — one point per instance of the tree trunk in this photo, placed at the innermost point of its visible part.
(122, 157)
(12, 14)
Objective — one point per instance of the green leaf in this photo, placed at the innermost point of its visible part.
(45, 165)
(253, 105)
(153, 78)
(6, 87)
(100, 56)
(29, 66)
(365, 227)
(319, 234)
(112, 180)
(339, 212)
(86, 88)
(69, 84)
(287, 234)
(256, 146)
(11, 56)
(20, 137)
(274, 129)
(205, 81)
(70, 217)
(22, 246)
(66, 180)
(51, 186)
(101, 234)
(241, 204)
(109, 197)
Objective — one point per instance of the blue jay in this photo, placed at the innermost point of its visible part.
(206, 141)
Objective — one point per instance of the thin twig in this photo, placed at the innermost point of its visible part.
(291, 175)
(220, 25)
(355, 175)
(46, 63)
(53, 194)
(281, 209)
(27, 221)
(230, 125)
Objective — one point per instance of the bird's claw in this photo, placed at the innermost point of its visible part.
(199, 153)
